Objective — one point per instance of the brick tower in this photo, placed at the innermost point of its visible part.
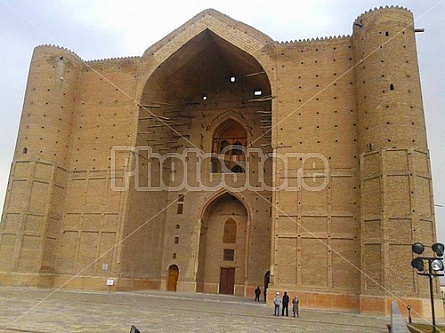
(395, 178)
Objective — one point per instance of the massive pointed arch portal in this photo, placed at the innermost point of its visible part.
(202, 90)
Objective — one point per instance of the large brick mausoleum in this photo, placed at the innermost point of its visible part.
(221, 160)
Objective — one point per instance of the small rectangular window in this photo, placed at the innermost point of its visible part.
(229, 255)
(257, 92)
(180, 203)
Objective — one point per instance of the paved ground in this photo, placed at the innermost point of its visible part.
(43, 311)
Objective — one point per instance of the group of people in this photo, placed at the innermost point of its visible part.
(285, 305)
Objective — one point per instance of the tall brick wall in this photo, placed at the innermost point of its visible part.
(316, 231)
(93, 214)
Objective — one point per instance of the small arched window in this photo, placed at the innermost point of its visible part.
(229, 231)
(223, 145)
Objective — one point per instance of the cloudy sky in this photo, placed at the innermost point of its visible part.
(115, 28)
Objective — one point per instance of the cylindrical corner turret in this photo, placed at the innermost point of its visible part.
(389, 100)
(48, 107)
(39, 176)
(396, 203)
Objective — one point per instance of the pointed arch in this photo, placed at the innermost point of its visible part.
(236, 40)
(229, 114)
(229, 235)
(223, 245)
(216, 195)
(235, 32)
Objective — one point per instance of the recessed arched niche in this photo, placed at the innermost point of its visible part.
(201, 80)
(222, 245)
(229, 147)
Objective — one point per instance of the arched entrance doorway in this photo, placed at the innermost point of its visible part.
(222, 247)
(173, 275)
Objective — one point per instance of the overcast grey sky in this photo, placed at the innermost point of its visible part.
(117, 28)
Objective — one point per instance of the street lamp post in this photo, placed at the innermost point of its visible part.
(435, 267)
(410, 321)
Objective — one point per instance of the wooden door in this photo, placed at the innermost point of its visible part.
(227, 281)
(173, 274)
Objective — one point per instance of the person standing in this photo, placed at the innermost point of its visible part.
(295, 304)
(277, 303)
(257, 294)
(285, 304)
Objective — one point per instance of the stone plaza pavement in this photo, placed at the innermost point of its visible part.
(47, 310)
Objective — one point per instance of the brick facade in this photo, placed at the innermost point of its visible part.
(340, 120)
